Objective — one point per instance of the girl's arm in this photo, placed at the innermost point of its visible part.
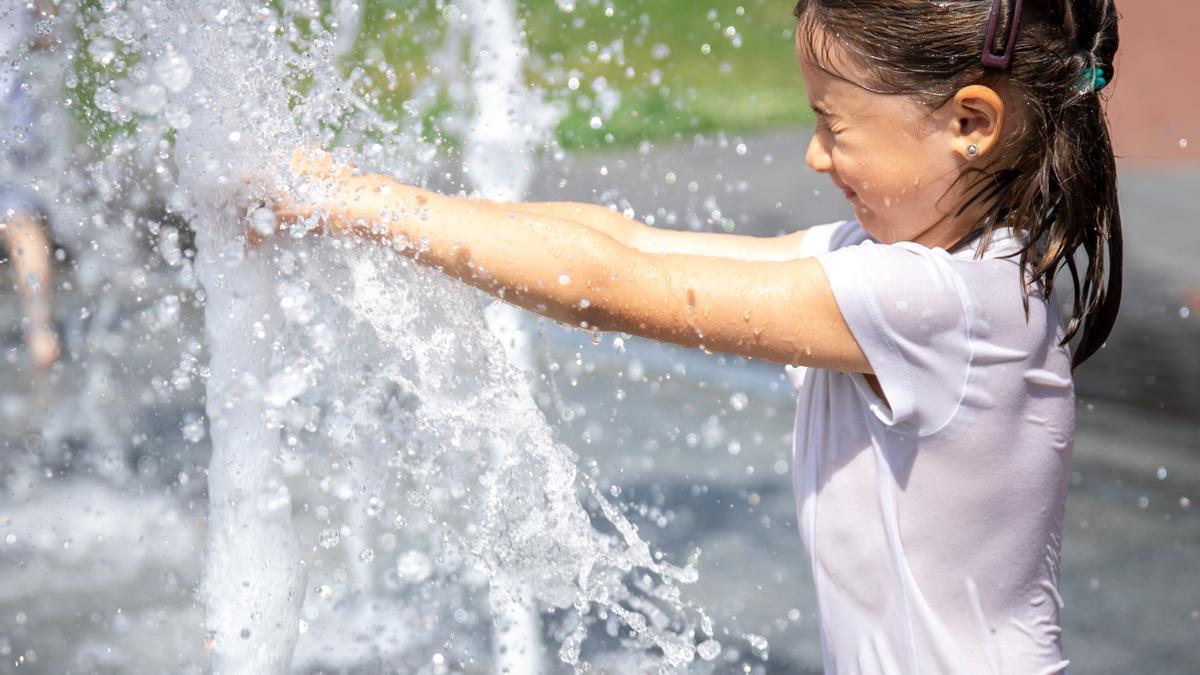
(776, 311)
(650, 239)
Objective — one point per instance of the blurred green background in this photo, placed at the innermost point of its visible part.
(623, 71)
(679, 66)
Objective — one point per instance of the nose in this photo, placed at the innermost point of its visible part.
(818, 157)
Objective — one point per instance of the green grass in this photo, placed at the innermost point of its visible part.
(676, 68)
(649, 51)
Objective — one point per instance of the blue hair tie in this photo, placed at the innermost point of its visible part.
(1092, 80)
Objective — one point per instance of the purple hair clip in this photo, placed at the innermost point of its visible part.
(990, 58)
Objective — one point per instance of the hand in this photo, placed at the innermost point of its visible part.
(266, 210)
(43, 347)
(336, 197)
(327, 198)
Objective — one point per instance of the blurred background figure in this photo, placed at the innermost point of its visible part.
(24, 218)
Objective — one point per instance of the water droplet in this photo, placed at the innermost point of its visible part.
(174, 72)
(1185, 312)
(1183, 143)
(150, 99)
(1161, 473)
(451, 13)
(414, 567)
(564, 279)
(193, 430)
(1143, 502)
(329, 538)
(709, 650)
(367, 556)
(738, 401)
(758, 642)
(263, 221)
(595, 122)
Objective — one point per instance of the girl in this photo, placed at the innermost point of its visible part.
(935, 418)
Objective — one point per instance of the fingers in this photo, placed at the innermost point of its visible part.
(315, 162)
(280, 213)
(44, 348)
(272, 210)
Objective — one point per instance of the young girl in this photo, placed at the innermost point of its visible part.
(935, 419)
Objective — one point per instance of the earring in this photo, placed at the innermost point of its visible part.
(972, 151)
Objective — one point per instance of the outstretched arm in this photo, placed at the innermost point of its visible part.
(650, 239)
(579, 275)
(30, 253)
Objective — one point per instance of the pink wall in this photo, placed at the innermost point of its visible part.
(1156, 99)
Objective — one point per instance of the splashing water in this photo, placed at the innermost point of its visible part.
(381, 479)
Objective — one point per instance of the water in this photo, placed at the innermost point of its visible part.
(382, 486)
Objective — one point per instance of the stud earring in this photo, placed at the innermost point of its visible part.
(972, 151)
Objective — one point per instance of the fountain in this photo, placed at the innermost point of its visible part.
(382, 486)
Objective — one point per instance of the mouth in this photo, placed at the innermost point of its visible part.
(849, 193)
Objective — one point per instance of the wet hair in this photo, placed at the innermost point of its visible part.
(1053, 178)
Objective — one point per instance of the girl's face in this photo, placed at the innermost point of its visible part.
(895, 161)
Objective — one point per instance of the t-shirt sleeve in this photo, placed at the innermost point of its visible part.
(820, 239)
(905, 306)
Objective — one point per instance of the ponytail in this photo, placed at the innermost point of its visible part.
(1068, 199)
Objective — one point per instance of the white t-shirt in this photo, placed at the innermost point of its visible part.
(933, 520)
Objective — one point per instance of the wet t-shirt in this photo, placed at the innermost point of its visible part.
(933, 515)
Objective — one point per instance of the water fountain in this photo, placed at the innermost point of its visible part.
(382, 485)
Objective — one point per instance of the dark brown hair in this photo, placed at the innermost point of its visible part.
(1054, 179)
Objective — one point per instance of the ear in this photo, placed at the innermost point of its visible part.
(976, 115)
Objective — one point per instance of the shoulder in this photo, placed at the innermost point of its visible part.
(820, 239)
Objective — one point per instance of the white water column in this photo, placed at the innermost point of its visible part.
(499, 164)
(254, 583)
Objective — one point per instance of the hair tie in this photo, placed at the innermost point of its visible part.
(1091, 81)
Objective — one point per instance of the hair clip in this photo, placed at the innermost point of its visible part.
(1002, 60)
(1091, 81)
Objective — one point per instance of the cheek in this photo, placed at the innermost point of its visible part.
(902, 179)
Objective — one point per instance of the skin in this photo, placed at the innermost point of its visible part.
(29, 250)
(897, 161)
(588, 266)
(30, 254)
